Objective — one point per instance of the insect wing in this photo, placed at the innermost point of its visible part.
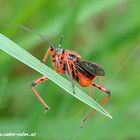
(92, 68)
(83, 71)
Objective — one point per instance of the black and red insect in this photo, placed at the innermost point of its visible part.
(70, 63)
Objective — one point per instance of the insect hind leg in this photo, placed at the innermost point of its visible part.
(101, 103)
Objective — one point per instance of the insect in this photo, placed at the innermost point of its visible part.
(70, 63)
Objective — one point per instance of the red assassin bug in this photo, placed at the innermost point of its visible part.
(70, 63)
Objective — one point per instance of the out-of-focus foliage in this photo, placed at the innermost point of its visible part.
(105, 32)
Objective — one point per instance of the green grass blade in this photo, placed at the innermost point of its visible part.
(17, 52)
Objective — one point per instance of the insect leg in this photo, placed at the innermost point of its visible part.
(91, 90)
(52, 52)
(101, 103)
(70, 74)
(36, 82)
(75, 72)
(61, 61)
(102, 89)
(101, 80)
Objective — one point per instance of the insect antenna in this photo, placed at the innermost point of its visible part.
(61, 40)
(29, 30)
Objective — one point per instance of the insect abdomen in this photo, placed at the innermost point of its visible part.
(85, 81)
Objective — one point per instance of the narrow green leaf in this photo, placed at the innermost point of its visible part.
(17, 52)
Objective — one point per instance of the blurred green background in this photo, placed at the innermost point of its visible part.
(105, 32)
